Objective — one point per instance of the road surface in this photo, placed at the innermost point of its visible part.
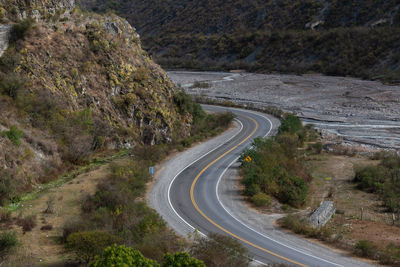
(187, 198)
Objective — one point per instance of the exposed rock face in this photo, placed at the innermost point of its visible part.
(323, 214)
(4, 37)
(37, 9)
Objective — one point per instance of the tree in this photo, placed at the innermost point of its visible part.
(291, 124)
(181, 259)
(119, 256)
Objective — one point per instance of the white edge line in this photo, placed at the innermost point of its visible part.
(216, 192)
(173, 180)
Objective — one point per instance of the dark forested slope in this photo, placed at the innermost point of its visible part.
(359, 38)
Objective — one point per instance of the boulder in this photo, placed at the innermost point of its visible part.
(323, 214)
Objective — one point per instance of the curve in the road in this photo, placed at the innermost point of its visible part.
(192, 195)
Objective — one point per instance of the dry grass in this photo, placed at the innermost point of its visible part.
(42, 241)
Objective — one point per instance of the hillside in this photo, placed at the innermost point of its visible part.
(285, 36)
(71, 86)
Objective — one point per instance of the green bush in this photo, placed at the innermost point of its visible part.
(261, 200)
(383, 179)
(185, 104)
(11, 84)
(290, 124)
(8, 240)
(7, 187)
(20, 30)
(87, 245)
(365, 248)
(141, 75)
(300, 225)
(391, 255)
(273, 172)
(122, 256)
(14, 134)
(198, 84)
(181, 259)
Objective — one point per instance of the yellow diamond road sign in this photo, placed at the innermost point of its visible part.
(248, 159)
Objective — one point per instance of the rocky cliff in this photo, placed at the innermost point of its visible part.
(72, 86)
(14, 10)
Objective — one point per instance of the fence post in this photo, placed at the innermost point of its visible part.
(362, 213)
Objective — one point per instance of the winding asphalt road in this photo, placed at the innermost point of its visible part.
(193, 199)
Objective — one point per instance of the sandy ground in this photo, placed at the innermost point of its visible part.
(356, 111)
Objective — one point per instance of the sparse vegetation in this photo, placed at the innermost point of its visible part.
(203, 125)
(300, 225)
(218, 250)
(8, 240)
(260, 199)
(87, 245)
(14, 134)
(20, 30)
(383, 179)
(365, 248)
(27, 223)
(198, 84)
(7, 187)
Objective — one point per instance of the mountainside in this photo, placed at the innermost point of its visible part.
(356, 38)
(71, 85)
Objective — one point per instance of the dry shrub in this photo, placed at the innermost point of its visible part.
(5, 215)
(219, 250)
(79, 149)
(47, 227)
(75, 225)
(50, 205)
(27, 223)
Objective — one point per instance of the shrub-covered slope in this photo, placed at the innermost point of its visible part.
(357, 38)
(70, 87)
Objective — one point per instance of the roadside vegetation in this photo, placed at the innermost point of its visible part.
(382, 179)
(116, 212)
(363, 189)
(273, 166)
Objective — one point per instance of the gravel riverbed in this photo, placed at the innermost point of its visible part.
(366, 113)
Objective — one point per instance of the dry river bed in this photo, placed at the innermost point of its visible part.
(348, 111)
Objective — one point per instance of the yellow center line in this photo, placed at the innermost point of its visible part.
(217, 225)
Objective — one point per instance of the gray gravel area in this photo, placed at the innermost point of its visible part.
(355, 111)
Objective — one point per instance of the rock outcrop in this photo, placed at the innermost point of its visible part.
(323, 214)
(15, 10)
(4, 37)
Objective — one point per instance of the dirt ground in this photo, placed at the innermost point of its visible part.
(333, 181)
(44, 247)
